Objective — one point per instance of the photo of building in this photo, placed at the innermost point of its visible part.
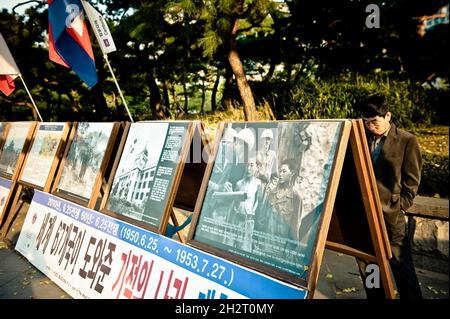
(135, 174)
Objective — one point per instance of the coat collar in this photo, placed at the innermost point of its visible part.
(389, 142)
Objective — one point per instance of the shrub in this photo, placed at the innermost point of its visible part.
(335, 97)
(434, 175)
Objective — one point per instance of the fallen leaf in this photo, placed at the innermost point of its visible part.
(329, 276)
(340, 254)
(14, 293)
(338, 293)
(433, 290)
(443, 292)
(347, 290)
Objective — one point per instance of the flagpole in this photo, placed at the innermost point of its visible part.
(93, 17)
(31, 98)
(105, 56)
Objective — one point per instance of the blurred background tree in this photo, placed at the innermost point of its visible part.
(301, 58)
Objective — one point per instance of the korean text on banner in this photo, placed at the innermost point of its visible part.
(100, 27)
(92, 255)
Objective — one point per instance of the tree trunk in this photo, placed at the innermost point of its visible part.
(202, 106)
(271, 71)
(155, 99)
(176, 104)
(289, 72)
(227, 96)
(101, 108)
(166, 100)
(241, 80)
(214, 91)
(186, 98)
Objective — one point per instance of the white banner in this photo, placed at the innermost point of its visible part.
(100, 28)
(92, 255)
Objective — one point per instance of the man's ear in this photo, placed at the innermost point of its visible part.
(388, 116)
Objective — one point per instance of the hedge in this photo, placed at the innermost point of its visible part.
(434, 176)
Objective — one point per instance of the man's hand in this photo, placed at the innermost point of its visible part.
(228, 187)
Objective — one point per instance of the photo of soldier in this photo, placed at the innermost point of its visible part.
(242, 214)
(266, 157)
(285, 210)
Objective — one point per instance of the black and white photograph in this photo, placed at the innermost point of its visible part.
(266, 191)
(13, 146)
(42, 153)
(137, 167)
(84, 158)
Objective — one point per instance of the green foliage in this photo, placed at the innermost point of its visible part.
(435, 175)
(210, 43)
(337, 97)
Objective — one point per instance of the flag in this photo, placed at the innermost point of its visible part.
(69, 43)
(100, 28)
(8, 68)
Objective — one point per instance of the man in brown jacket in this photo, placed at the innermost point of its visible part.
(397, 164)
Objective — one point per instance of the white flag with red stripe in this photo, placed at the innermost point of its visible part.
(8, 68)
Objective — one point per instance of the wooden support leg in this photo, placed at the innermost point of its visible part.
(12, 212)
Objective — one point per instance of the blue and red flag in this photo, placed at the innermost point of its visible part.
(69, 43)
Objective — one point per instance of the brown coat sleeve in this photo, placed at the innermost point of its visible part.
(411, 168)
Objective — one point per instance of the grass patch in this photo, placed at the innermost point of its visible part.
(433, 140)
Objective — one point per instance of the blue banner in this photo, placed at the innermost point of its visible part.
(5, 182)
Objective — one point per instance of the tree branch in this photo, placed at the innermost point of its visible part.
(245, 29)
(26, 2)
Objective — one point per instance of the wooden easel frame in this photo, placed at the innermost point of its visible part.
(188, 205)
(91, 201)
(17, 169)
(23, 153)
(55, 162)
(171, 193)
(373, 210)
(324, 219)
(3, 135)
(50, 176)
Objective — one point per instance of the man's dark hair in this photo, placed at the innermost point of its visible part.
(374, 105)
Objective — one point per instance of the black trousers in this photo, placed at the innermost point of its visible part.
(401, 263)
